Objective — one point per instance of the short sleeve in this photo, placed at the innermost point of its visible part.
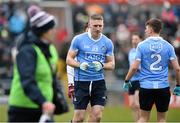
(138, 53)
(172, 54)
(129, 59)
(110, 48)
(74, 44)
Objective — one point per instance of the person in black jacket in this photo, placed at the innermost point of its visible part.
(31, 90)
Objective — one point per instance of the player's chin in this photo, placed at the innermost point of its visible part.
(98, 32)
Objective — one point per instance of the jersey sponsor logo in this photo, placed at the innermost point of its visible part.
(94, 48)
(156, 47)
(94, 56)
(86, 46)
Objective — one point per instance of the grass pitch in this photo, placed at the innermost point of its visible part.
(111, 114)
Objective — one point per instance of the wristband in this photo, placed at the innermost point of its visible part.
(126, 81)
(102, 64)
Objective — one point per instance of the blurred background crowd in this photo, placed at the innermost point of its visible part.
(122, 18)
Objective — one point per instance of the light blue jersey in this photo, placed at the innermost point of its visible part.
(155, 54)
(131, 58)
(89, 50)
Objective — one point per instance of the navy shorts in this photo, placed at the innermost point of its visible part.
(135, 86)
(159, 97)
(89, 91)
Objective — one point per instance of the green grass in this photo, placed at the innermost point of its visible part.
(110, 114)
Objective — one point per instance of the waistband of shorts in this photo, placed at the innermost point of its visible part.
(102, 80)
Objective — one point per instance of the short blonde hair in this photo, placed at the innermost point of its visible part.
(96, 17)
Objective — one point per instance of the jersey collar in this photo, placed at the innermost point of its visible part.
(155, 38)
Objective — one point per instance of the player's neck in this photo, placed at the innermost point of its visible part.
(133, 46)
(154, 35)
(95, 37)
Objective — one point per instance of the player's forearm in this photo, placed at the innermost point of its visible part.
(176, 69)
(71, 62)
(178, 76)
(130, 73)
(109, 66)
(133, 69)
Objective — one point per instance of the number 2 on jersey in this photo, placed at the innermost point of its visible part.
(155, 65)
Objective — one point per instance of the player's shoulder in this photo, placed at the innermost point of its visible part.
(142, 43)
(151, 40)
(166, 42)
(106, 39)
(132, 50)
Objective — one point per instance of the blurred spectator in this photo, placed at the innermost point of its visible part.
(176, 43)
(122, 33)
(94, 9)
(5, 42)
(120, 56)
(79, 18)
(143, 15)
(176, 10)
(169, 20)
(119, 13)
(17, 22)
(132, 23)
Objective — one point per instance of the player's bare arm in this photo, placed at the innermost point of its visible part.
(176, 67)
(110, 64)
(70, 59)
(133, 69)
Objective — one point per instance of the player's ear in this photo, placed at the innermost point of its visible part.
(88, 24)
(150, 30)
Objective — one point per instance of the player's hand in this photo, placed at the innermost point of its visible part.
(84, 66)
(176, 90)
(97, 65)
(126, 85)
(70, 91)
(48, 108)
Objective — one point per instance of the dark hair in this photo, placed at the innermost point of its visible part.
(96, 17)
(86, 25)
(138, 34)
(155, 24)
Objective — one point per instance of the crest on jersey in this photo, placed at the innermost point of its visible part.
(103, 48)
(156, 47)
